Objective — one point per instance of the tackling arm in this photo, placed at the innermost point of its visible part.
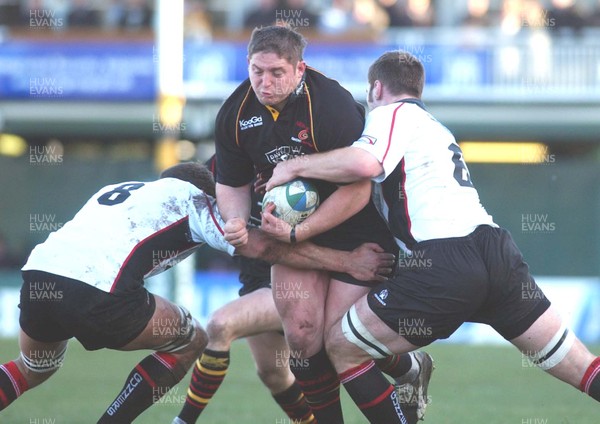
(234, 202)
(369, 262)
(343, 165)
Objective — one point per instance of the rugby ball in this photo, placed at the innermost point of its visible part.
(294, 201)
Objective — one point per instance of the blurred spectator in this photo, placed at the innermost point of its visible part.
(263, 15)
(113, 14)
(136, 15)
(297, 14)
(396, 12)
(478, 14)
(594, 18)
(197, 22)
(420, 12)
(338, 18)
(80, 14)
(9, 12)
(564, 17)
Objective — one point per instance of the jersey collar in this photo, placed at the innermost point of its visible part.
(413, 100)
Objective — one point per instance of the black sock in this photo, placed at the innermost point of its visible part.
(293, 402)
(147, 383)
(395, 365)
(373, 394)
(319, 381)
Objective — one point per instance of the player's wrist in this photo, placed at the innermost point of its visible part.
(293, 239)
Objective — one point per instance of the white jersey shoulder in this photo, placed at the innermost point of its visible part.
(426, 183)
(95, 245)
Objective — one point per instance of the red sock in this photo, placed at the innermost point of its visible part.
(12, 384)
(373, 394)
(590, 383)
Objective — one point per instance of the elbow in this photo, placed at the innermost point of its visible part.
(365, 165)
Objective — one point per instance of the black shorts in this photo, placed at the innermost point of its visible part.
(365, 227)
(55, 308)
(254, 274)
(478, 278)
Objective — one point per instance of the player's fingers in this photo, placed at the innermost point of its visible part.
(260, 186)
(269, 208)
(374, 247)
(381, 278)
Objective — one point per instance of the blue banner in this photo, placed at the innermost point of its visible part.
(68, 70)
(128, 70)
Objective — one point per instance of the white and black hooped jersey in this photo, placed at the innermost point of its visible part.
(426, 190)
(129, 231)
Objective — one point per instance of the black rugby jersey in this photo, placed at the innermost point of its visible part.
(319, 116)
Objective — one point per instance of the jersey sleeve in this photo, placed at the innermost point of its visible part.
(206, 224)
(383, 137)
(234, 166)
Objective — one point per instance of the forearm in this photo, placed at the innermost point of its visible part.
(304, 255)
(342, 204)
(233, 202)
(344, 165)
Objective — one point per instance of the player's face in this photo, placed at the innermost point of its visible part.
(273, 78)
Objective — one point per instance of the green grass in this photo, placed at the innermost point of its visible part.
(471, 384)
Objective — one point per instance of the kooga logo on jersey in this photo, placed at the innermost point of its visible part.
(255, 121)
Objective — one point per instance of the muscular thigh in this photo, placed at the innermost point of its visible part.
(251, 314)
(340, 297)
(299, 295)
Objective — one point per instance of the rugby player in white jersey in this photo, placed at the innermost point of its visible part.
(468, 268)
(87, 281)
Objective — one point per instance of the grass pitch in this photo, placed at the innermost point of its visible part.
(471, 384)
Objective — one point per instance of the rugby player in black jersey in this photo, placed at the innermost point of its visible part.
(286, 109)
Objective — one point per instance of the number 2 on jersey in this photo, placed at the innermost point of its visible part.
(118, 194)
(461, 173)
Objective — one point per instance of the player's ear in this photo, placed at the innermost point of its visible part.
(301, 67)
(377, 90)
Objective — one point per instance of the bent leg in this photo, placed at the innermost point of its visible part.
(556, 350)
(300, 298)
(352, 343)
(37, 362)
(251, 314)
(272, 358)
(178, 340)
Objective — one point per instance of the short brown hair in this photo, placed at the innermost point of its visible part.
(282, 40)
(400, 72)
(192, 172)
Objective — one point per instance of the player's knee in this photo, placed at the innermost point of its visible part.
(273, 377)
(334, 341)
(220, 328)
(189, 335)
(303, 334)
(38, 366)
(555, 351)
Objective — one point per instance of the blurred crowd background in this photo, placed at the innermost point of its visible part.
(207, 18)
